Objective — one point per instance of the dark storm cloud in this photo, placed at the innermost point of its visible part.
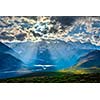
(65, 20)
(10, 38)
(20, 36)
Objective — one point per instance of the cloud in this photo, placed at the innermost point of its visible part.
(83, 30)
(27, 28)
(67, 28)
(20, 36)
(65, 20)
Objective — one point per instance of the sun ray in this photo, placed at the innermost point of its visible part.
(27, 51)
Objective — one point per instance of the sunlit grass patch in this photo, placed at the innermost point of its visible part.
(74, 71)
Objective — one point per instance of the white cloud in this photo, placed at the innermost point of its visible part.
(33, 28)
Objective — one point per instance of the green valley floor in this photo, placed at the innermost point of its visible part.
(55, 77)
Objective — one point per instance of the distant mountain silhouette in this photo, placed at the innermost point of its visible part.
(9, 62)
(5, 49)
(9, 59)
(61, 53)
(90, 60)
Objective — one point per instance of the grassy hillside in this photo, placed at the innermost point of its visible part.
(63, 76)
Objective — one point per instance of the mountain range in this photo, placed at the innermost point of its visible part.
(47, 55)
(59, 53)
(90, 60)
(9, 62)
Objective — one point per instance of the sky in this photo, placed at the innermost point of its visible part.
(34, 28)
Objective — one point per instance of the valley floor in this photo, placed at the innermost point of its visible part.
(55, 77)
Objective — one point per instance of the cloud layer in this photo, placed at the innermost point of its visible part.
(32, 28)
(16, 28)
